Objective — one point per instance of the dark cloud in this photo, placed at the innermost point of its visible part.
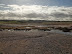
(36, 15)
(59, 15)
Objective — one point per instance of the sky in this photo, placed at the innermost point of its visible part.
(51, 10)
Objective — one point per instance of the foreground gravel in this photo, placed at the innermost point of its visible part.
(34, 42)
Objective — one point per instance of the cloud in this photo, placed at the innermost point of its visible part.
(36, 12)
(2, 4)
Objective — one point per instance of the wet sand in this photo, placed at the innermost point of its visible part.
(34, 42)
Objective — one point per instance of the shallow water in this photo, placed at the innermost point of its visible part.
(60, 32)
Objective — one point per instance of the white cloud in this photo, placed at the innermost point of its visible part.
(37, 12)
(6, 7)
(2, 4)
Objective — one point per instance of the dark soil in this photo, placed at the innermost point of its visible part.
(34, 42)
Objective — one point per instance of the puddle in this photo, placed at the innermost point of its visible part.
(60, 32)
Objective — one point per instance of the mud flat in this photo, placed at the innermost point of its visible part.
(34, 42)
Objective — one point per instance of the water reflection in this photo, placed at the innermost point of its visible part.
(60, 32)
